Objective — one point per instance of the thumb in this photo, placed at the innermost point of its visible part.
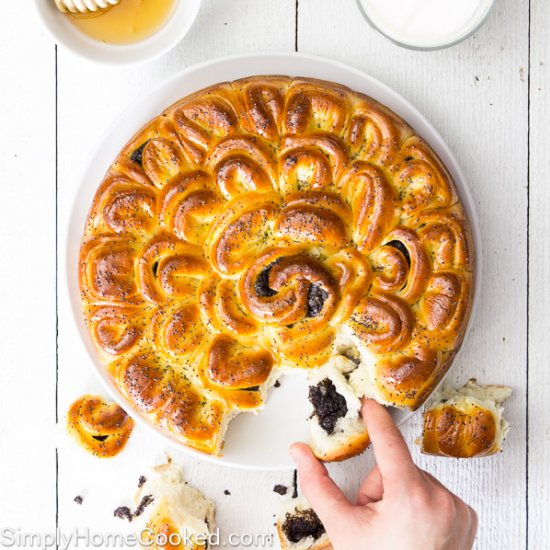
(323, 494)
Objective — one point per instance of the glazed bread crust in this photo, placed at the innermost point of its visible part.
(466, 423)
(245, 230)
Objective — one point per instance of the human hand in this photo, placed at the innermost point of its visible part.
(398, 506)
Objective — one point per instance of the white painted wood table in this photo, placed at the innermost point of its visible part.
(488, 97)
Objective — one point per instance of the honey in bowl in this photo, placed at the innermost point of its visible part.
(127, 22)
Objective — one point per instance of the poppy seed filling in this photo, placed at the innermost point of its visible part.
(136, 156)
(328, 404)
(316, 298)
(261, 286)
(302, 524)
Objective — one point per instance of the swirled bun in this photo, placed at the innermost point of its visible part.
(299, 528)
(100, 427)
(254, 228)
(466, 423)
(336, 428)
(170, 507)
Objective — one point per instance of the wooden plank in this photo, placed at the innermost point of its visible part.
(27, 277)
(539, 275)
(90, 98)
(476, 95)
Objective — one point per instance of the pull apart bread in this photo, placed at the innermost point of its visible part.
(299, 527)
(267, 225)
(466, 423)
(169, 507)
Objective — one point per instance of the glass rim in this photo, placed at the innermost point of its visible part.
(442, 46)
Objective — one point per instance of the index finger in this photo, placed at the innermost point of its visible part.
(392, 454)
(323, 494)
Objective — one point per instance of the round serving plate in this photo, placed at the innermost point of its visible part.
(254, 441)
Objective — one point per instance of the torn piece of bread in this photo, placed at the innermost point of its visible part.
(173, 509)
(299, 528)
(336, 428)
(466, 423)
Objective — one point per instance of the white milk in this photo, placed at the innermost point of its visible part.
(426, 23)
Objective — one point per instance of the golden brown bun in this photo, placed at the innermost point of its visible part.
(252, 225)
(291, 508)
(354, 446)
(466, 423)
(100, 427)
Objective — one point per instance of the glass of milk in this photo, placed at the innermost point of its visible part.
(426, 24)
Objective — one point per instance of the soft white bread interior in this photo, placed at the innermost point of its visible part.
(362, 377)
(175, 508)
(299, 528)
(336, 429)
(466, 423)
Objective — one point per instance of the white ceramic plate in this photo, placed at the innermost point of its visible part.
(254, 441)
(62, 30)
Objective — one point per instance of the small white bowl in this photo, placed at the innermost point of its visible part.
(64, 32)
(478, 19)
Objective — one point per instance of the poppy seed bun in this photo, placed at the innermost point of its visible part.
(466, 423)
(299, 528)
